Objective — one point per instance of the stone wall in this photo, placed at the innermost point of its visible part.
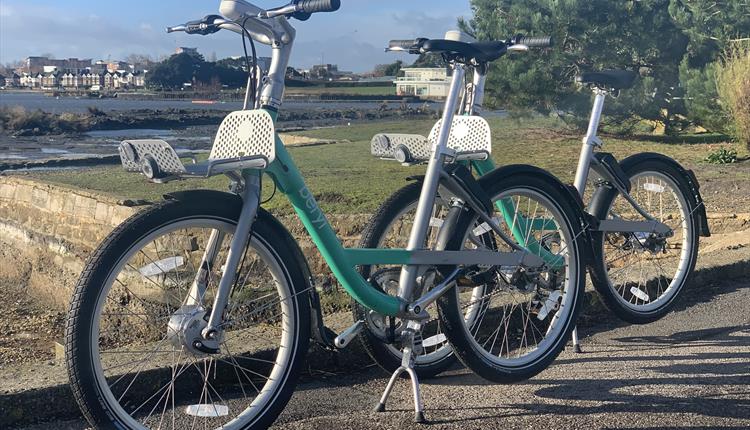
(52, 230)
(47, 231)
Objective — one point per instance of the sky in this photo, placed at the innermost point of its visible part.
(353, 37)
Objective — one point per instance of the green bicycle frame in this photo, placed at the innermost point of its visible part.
(342, 261)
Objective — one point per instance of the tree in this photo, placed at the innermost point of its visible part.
(175, 71)
(189, 68)
(141, 59)
(588, 34)
(673, 44)
(392, 69)
(429, 60)
(711, 26)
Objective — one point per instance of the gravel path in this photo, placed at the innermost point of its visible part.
(689, 370)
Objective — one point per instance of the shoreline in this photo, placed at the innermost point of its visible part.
(20, 122)
(95, 144)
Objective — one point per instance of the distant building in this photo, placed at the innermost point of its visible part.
(71, 80)
(423, 82)
(115, 66)
(2, 80)
(324, 71)
(50, 80)
(13, 81)
(29, 80)
(35, 65)
(46, 73)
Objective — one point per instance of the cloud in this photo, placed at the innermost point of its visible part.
(353, 38)
(66, 34)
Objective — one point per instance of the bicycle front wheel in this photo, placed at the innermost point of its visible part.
(522, 322)
(133, 337)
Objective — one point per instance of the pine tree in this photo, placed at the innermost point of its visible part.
(589, 34)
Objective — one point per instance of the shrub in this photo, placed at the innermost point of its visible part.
(722, 156)
(733, 84)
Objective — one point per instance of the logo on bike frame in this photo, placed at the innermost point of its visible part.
(318, 219)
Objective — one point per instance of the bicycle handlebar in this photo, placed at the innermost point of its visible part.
(534, 42)
(208, 25)
(316, 6)
(412, 46)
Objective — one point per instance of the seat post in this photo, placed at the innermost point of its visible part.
(590, 141)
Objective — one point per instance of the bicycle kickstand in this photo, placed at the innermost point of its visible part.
(410, 342)
(576, 343)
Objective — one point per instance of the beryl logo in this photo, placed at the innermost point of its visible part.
(317, 217)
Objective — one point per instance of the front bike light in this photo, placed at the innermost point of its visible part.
(150, 168)
(402, 154)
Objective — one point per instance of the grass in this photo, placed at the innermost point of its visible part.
(347, 179)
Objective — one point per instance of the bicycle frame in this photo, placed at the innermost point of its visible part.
(289, 181)
(474, 103)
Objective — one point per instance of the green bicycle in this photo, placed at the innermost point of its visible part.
(646, 216)
(198, 311)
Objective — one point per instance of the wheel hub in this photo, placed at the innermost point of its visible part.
(185, 330)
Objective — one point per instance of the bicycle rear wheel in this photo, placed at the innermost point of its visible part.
(522, 322)
(133, 337)
(640, 275)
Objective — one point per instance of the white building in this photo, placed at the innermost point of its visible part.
(431, 83)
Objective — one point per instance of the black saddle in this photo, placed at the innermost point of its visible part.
(611, 79)
(480, 52)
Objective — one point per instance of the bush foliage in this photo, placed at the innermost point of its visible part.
(722, 156)
(733, 84)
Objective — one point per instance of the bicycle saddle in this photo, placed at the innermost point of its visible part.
(480, 52)
(614, 79)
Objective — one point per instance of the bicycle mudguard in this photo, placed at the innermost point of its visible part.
(459, 181)
(585, 221)
(687, 175)
(606, 166)
(320, 333)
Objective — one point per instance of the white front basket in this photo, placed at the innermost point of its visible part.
(245, 140)
(470, 138)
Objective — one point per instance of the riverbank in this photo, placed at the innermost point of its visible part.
(18, 121)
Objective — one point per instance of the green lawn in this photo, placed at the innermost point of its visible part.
(347, 179)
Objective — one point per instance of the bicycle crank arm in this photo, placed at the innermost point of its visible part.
(347, 336)
(622, 226)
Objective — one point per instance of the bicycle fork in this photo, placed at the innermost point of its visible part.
(250, 189)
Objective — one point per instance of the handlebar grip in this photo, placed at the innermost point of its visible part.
(402, 44)
(203, 26)
(535, 42)
(412, 45)
(315, 6)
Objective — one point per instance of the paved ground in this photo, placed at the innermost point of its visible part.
(689, 370)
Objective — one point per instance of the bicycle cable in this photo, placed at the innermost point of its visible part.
(250, 70)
